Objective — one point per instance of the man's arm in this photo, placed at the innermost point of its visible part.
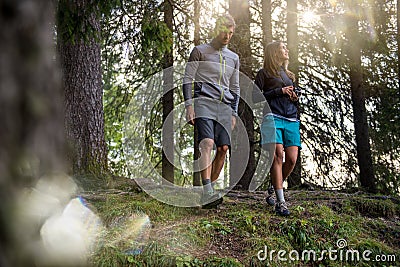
(235, 88)
(188, 83)
(189, 76)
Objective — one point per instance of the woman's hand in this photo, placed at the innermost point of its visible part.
(294, 97)
(289, 90)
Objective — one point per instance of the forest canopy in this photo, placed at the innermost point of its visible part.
(321, 36)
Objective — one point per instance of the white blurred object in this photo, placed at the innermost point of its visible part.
(60, 186)
(37, 206)
(70, 237)
(52, 226)
(50, 195)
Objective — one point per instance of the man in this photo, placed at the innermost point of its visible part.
(213, 72)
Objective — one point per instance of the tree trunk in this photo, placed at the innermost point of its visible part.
(367, 177)
(168, 104)
(266, 23)
(292, 35)
(398, 40)
(294, 178)
(240, 44)
(196, 154)
(196, 20)
(80, 60)
(31, 132)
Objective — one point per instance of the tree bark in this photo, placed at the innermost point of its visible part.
(196, 21)
(84, 116)
(266, 23)
(31, 132)
(168, 104)
(398, 45)
(364, 157)
(240, 43)
(294, 178)
(293, 36)
(196, 152)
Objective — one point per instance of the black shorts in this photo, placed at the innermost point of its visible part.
(209, 128)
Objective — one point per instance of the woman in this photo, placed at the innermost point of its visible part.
(277, 84)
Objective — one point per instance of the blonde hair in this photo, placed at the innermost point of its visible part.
(272, 64)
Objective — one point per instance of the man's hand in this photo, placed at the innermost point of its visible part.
(190, 115)
(233, 122)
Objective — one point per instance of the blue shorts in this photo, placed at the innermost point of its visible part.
(280, 131)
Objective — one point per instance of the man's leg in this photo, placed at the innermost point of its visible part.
(222, 133)
(212, 168)
(218, 162)
(206, 146)
(210, 198)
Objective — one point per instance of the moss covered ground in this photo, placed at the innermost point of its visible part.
(325, 228)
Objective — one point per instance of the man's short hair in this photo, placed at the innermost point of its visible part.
(223, 22)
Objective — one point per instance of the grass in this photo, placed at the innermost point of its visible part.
(141, 231)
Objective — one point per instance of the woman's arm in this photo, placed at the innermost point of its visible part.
(257, 94)
(272, 93)
(268, 93)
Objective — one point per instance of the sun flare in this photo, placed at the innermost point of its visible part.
(309, 17)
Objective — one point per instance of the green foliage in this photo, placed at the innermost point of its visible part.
(109, 256)
(135, 41)
(189, 237)
(375, 208)
(214, 227)
(153, 136)
(385, 137)
(79, 20)
(382, 83)
(119, 206)
(299, 233)
(91, 181)
(156, 39)
(152, 255)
